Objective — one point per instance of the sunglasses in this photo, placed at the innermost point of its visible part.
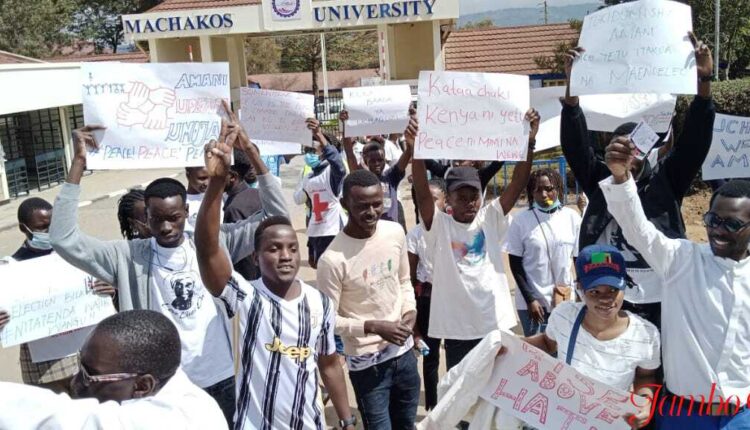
(732, 225)
(88, 379)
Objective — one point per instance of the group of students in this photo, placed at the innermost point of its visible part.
(259, 341)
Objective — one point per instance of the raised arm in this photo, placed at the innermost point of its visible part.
(351, 157)
(330, 154)
(96, 257)
(419, 177)
(522, 170)
(213, 262)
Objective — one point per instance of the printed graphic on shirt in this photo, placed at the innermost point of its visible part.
(187, 295)
(378, 272)
(387, 198)
(633, 258)
(298, 353)
(319, 206)
(471, 253)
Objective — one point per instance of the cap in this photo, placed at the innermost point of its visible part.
(601, 265)
(463, 176)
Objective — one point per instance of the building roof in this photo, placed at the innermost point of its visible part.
(11, 58)
(200, 4)
(504, 49)
(302, 82)
(124, 57)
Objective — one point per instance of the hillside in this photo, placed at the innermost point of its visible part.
(531, 15)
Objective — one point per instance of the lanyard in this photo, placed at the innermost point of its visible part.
(574, 335)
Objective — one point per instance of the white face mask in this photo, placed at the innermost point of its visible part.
(39, 240)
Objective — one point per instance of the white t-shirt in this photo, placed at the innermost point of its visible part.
(177, 291)
(280, 342)
(416, 244)
(178, 405)
(194, 204)
(612, 362)
(470, 294)
(526, 238)
(392, 152)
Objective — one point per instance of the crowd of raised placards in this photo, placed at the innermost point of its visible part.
(215, 328)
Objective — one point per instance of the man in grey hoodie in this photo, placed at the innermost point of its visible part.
(153, 273)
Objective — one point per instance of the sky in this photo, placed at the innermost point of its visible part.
(477, 6)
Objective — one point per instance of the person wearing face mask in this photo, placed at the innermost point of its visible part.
(661, 186)
(541, 242)
(321, 189)
(34, 216)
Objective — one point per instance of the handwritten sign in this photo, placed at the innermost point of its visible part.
(644, 138)
(605, 112)
(377, 110)
(46, 296)
(729, 156)
(59, 346)
(275, 120)
(549, 395)
(472, 116)
(636, 47)
(157, 115)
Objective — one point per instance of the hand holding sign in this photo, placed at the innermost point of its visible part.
(84, 141)
(619, 157)
(532, 116)
(4, 318)
(218, 154)
(704, 61)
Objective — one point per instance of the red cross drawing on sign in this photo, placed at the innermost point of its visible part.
(318, 207)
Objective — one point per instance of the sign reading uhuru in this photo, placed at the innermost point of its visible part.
(472, 116)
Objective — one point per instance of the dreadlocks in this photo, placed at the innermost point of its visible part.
(554, 178)
(125, 211)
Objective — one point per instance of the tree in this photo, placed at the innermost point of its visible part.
(556, 62)
(262, 55)
(100, 21)
(485, 23)
(34, 28)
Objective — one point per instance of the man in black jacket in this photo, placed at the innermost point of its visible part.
(660, 187)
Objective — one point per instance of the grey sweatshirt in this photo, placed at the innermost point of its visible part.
(126, 264)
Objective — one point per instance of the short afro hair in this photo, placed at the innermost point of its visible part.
(241, 163)
(163, 188)
(736, 189)
(372, 146)
(359, 178)
(147, 342)
(265, 224)
(29, 206)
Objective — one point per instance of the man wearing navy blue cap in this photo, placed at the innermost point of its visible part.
(597, 337)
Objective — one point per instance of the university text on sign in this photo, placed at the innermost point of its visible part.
(178, 23)
(373, 11)
(156, 115)
(472, 116)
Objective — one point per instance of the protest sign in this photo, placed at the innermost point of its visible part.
(550, 395)
(275, 120)
(644, 138)
(46, 296)
(636, 47)
(547, 102)
(377, 110)
(59, 346)
(729, 156)
(156, 115)
(472, 116)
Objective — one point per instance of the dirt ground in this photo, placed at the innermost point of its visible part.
(693, 208)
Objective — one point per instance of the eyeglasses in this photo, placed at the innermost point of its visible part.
(88, 379)
(732, 225)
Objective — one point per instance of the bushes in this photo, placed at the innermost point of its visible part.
(731, 97)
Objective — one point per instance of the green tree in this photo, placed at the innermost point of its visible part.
(100, 21)
(555, 63)
(262, 55)
(485, 23)
(34, 28)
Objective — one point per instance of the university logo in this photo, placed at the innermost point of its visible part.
(286, 9)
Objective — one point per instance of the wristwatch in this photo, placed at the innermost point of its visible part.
(351, 421)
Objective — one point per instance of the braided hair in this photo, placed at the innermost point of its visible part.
(125, 207)
(554, 178)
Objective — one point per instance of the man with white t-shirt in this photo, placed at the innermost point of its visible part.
(161, 273)
(129, 378)
(470, 294)
(541, 243)
(286, 326)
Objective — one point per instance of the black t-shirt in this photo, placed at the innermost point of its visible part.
(25, 252)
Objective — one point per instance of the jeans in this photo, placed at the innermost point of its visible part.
(430, 362)
(223, 393)
(456, 350)
(740, 421)
(531, 327)
(388, 393)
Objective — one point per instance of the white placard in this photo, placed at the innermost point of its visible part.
(275, 120)
(550, 395)
(377, 110)
(59, 346)
(157, 115)
(636, 47)
(644, 138)
(472, 116)
(547, 102)
(46, 296)
(729, 156)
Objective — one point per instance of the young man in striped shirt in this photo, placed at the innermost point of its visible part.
(286, 326)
